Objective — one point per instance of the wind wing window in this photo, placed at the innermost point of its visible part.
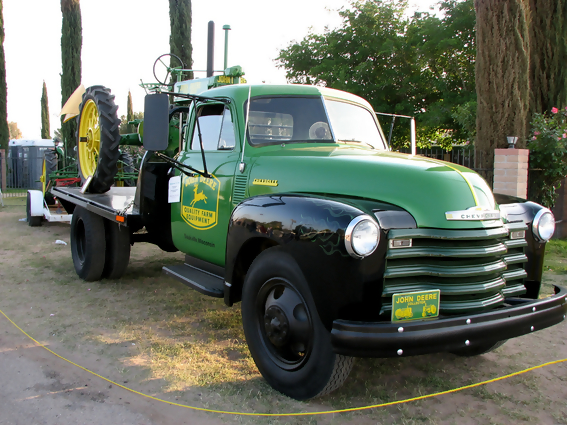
(217, 129)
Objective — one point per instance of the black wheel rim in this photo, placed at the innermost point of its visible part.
(284, 323)
(80, 240)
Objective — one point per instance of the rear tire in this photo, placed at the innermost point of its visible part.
(33, 221)
(287, 340)
(98, 139)
(117, 250)
(88, 246)
(126, 165)
(49, 167)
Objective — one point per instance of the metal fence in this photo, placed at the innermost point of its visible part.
(461, 155)
(24, 167)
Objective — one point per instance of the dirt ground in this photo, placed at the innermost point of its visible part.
(155, 336)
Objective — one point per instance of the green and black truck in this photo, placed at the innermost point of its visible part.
(287, 198)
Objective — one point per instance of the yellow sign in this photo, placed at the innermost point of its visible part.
(224, 79)
(200, 201)
(265, 182)
(415, 305)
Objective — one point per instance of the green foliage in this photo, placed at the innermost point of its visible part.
(548, 153)
(45, 128)
(13, 131)
(71, 44)
(4, 132)
(421, 66)
(180, 37)
(124, 127)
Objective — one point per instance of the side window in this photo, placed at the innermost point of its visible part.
(217, 129)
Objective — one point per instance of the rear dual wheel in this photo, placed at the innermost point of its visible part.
(287, 340)
(98, 139)
(99, 247)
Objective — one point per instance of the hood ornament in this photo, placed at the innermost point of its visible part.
(473, 214)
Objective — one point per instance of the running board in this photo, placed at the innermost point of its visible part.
(201, 281)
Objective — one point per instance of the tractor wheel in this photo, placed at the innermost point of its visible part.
(33, 221)
(88, 246)
(126, 165)
(98, 139)
(49, 167)
(287, 340)
(478, 350)
(117, 250)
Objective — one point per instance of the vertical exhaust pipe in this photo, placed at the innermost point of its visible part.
(211, 49)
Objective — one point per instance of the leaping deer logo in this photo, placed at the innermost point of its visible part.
(199, 196)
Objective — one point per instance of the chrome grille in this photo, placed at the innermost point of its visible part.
(474, 269)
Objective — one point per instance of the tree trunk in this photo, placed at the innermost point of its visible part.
(548, 55)
(180, 37)
(71, 44)
(4, 132)
(45, 127)
(130, 114)
(502, 75)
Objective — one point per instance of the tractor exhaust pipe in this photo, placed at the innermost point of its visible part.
(211, 49)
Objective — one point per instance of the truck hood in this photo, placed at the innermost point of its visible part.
(426, 188)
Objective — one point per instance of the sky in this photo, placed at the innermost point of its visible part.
(123, 38)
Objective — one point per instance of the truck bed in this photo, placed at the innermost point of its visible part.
(116, 204)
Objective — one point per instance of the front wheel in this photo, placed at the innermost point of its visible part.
(479, 349)
(287, 340)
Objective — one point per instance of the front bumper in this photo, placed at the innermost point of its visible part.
(519, 317)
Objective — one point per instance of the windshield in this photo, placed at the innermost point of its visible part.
(275, 120)
(354, 124)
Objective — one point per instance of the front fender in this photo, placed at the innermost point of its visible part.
(312, 231)
(519, 211)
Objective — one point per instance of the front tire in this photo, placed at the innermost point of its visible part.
(478, 350)
(287, 340)
(88, 245)
(98, 139)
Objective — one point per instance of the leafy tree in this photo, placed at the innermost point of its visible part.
(45, 130)
(13, 131)
(180, 37)
(4, 132)
(71, 44)
(421, 66)
(124, 127)
(130, 113)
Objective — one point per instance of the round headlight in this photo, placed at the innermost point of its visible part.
(543, 225)
(362, 236)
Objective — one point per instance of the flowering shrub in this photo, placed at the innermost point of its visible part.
(548, 153)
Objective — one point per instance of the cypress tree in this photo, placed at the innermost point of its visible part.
(130, 113)
(502, 75)
(548, 55)
(71, 43)
(45, 128)
(4, 132)
(180, 37)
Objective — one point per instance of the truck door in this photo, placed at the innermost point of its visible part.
(200, 219)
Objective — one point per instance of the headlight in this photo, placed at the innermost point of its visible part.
(362, 236)
(543, 225)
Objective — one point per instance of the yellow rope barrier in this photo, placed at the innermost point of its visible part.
(326, 412)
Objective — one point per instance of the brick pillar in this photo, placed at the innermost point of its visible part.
(511, 172)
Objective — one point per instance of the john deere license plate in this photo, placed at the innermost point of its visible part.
(415, 305)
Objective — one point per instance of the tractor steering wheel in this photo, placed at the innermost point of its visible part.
(167, 67)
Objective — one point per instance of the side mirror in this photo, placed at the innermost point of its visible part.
(156, 122)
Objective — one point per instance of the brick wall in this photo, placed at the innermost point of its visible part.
(511, 172)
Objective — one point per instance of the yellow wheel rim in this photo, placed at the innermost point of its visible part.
(43, 178)
(89, 139)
